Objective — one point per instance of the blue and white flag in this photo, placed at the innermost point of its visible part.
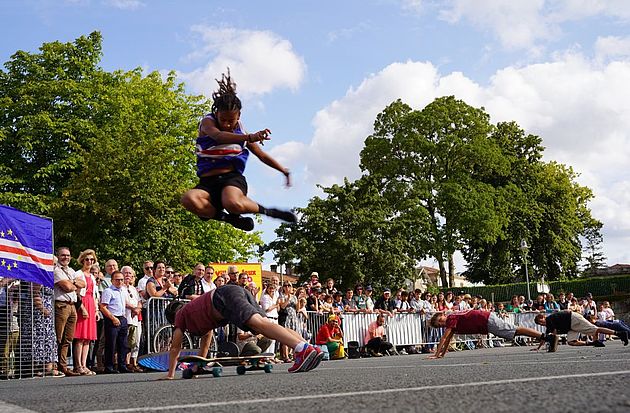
(26, 246)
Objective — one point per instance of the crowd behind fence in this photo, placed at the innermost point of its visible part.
(401, 329)
(29, 347)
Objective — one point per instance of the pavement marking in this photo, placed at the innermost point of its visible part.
(487, 363)
(358, 393)
(12, 408)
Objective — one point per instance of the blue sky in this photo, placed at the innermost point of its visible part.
(317, 73)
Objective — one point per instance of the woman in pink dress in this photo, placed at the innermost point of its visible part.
(85, 330)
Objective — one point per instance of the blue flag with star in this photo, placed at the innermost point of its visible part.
(26, 246)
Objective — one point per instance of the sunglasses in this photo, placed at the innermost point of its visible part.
(148, 268)
(169, 272)
(89, 259)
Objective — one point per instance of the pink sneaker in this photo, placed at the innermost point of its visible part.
(316, 360)
(303, 359)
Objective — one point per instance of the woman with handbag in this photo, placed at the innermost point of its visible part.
(85, 330)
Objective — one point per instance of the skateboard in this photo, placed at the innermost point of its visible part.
(215, 365)
(552, 341)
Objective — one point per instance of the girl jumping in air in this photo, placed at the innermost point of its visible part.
(222, 150)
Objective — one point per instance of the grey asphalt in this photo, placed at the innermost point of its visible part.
(511, 379)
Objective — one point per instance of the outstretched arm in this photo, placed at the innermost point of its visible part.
(209, 128)
(442, 347)
(268, 160)
(173, 354)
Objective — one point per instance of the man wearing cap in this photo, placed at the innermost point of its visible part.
(331, 336)
(385, 304)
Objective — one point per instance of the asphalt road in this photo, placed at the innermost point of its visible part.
(511, 379)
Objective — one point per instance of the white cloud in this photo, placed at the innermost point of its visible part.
(612, 47)
(125, 4)
(528, 24)
(414, 6)
(517, 24)
(260, 60)
(579, 108)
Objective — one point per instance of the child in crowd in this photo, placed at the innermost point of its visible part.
(573, 324)
(476, 322)
(232, 304)
(222, 149)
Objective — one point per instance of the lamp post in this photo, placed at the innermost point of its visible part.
(524, 247)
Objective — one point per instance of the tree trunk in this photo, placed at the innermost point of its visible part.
(451, 270)
(443, 274)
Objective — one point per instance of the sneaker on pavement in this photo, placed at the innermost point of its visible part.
(598, 343)
(623, 336)
(316, 360)
(303, 359)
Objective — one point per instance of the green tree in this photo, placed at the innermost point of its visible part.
(107, 155)
(592, 250)
(426, 162)
(350, 236)
(546, 207)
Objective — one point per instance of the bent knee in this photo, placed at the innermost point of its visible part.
(234, 205)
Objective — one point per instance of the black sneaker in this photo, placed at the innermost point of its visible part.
(623, 336)
(287, 216)
(237, 221)
(598, 343)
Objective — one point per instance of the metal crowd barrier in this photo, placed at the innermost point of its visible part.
(28, 345)
(155, 319)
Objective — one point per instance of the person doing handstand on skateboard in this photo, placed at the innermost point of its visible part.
(232, 304)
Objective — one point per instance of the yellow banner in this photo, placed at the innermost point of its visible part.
(253, 271)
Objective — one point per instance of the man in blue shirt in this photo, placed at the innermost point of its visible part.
(112, 306)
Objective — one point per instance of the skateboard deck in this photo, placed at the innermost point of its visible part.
(159, 361)
(215, 365)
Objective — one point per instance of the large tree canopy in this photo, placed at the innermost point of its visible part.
(447, 180)
(107, 156)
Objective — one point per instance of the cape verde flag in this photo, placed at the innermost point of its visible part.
(26, 246)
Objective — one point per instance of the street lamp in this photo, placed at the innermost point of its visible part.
(524, 247)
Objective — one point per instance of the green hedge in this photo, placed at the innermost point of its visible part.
(598, 286)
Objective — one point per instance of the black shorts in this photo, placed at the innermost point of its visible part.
(236, 305)
(214, 186)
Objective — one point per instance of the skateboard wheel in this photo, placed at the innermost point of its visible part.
(187, 374)
(240, 370)
(217, 371)
(268, 368)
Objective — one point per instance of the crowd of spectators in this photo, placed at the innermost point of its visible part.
(101, 313)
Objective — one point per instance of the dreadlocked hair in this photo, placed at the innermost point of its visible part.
(225, 98)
